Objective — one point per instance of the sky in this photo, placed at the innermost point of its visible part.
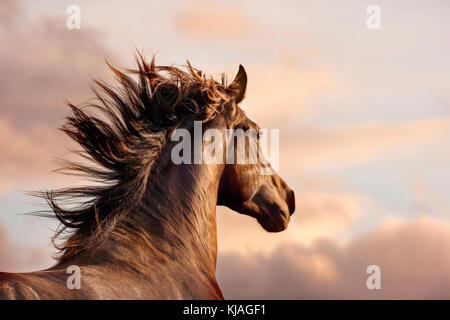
(364, 120)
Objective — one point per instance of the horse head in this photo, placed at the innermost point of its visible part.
(246, 187)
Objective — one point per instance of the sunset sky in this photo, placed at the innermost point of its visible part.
(364, 119)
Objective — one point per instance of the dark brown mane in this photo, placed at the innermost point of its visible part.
(124, 143)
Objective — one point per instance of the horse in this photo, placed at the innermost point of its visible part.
(144, 227)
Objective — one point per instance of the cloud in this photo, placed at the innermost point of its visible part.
(17, 258)
(45, 65)
(320, 214)
(21, 158)
(353, 144)
(27, 159)
(413, 257)
(325, 214)
(284, 90)
(425, 199)
(9, 11)
(206, 21)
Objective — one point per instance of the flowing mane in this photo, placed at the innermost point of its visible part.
(123, 142)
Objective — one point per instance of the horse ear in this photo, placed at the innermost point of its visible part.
(239, 85)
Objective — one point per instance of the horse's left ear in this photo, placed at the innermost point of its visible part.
(239, 85)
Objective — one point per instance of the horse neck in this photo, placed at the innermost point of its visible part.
(179, 211)
(171, 237)
(174, 225)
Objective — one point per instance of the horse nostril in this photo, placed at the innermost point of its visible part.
(291, 201)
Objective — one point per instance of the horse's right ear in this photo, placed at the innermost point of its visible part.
(239, 84)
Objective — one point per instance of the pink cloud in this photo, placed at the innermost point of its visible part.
(285, 90)
(208, 21)
(320, 214)
(39, 72)
(17, 258)
(28, 159)
(9, 10)
(45, 67)
(413, 257)
(350, 145)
